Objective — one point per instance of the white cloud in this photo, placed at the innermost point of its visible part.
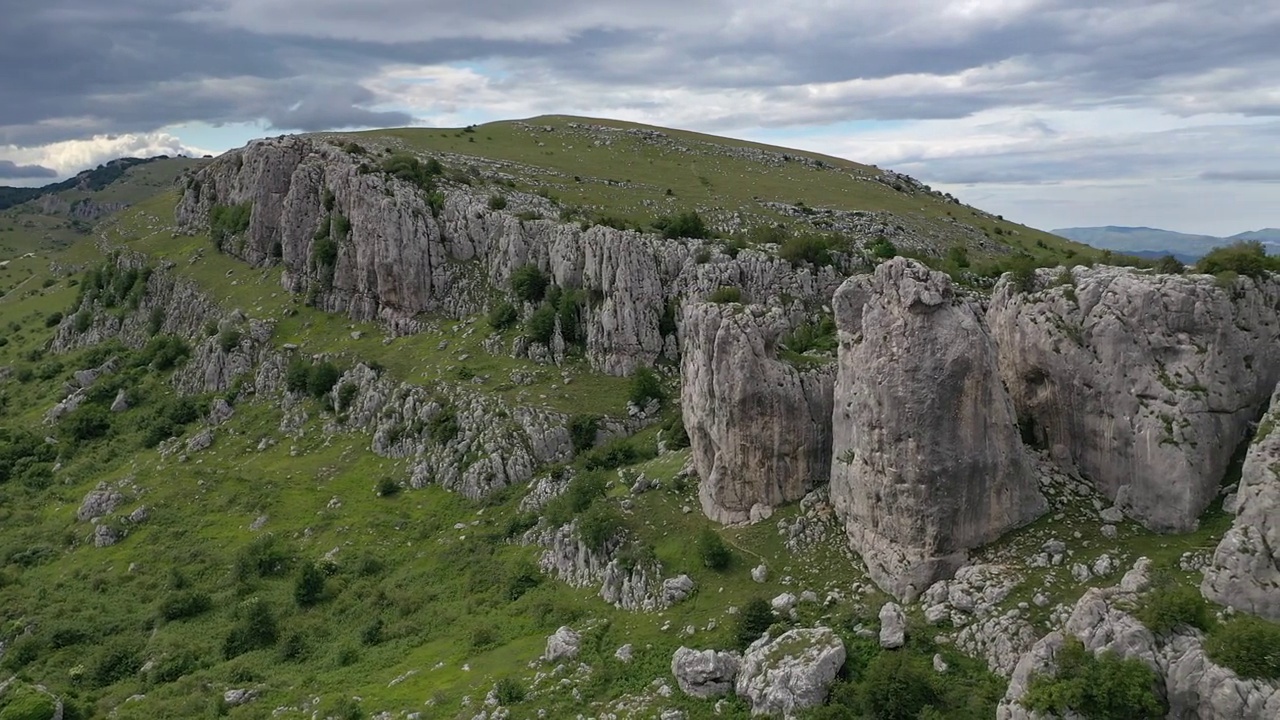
(72, 156)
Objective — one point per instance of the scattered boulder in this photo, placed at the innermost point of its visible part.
(105, 536)
(704, 673)
(220, 412)
(624, 653)
(928, 462)
(759, 427)
(563, 644)
(121, 403)
(893, 626)
(239, 696)
(676, 589)
(760, 573)
(786, 675)
(99, 502)
(200, 441)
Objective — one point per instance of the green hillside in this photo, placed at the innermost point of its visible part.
(290, 561)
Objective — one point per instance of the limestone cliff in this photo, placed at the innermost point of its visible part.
(397, 255)
(1145, 383)
(1245, 571)
(927, 462)
(759, 427)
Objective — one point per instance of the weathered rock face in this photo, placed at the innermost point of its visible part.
(563, 644)
(1245, 571)
(400, 258)
(1192, 684)
(1145, 383)
(927, 462)
(783, 676)
(759, 427)
(704, 673)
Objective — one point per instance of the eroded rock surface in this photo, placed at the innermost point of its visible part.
(1145, 383)
(927, 461)
(704, 673)
(1245, 570)
(792, 672)
(759, 427)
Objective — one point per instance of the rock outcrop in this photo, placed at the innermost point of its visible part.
(927, 461)
(399, 254)
(563, 644)
(1245, 571)
(638, 587)
(1191, 684)
(783, 676)
(1145, 383)
(704, 673)
(759, 427)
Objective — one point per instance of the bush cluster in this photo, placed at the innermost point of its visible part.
(1105, 687)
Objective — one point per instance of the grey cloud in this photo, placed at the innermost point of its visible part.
(1250, 176)
(12, 171)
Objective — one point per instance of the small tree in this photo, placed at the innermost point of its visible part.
(897, 686)
(646, 386)
(715, 553)
(529, 283)
(308, 589)
(687, 224)
(502, 316)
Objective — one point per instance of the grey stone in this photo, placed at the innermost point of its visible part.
(105, 536)
(893, 626)
(927, 459)
(759, 427)
(760, 573)
(1144, 382)
(98, 502)
(563, 644)
(791, 673)
(121, 403)
(704, 673)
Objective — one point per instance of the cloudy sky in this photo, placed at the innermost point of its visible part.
(1052, 112)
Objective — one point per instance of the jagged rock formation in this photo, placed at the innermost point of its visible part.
(1145, 383)
(1245, 571)
(1192, 684)
(637, 588)
(400, 257)
(704, 673)
(927, 462)
(759, 427)
(794, 671)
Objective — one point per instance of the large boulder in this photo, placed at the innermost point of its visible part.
(704, 673)
(782, 676)
(759, 427)
(563, 644)
(1145, 383)
(927, 461)
(1245, 570)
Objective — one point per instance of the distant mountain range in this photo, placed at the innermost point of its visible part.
(1152, 242)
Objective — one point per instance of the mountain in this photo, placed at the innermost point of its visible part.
(1154, 243)
(566, 416)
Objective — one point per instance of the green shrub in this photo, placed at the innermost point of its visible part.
(812, 249)
(752, 621)
(646, 385)
(615, 454)
(346, 394)
(21, 702)
(324, 252)
(673, 431)
(112, 663)
(1248, 645)
(264, 557)
(255, 628)
(185, 604)
(898, 686)
(1023, 274)
(958, 257)
(583, 429)
(88, 422)
(155, 321)
(341, 227)
(568, 311)
(444, 425)
(228, 220)
(321, 377)
(599, 524)
(529, 283)
(82, 321)
(502, 316)
(406, 167)
(713, 550)
(509, 691)
(164, 352)
(522, 577)
(497, 202)
(1104, 687)
(583, 490)
(883, 248)
(1170, 265)
(1247, 258)
(372, 633)
(297, 375)
(541, 325)
(308, 588)
(388, 487)
(819, 336)
(725, 294)
(1167, 608)
(52, 319)
(687, 224)
(229, 339)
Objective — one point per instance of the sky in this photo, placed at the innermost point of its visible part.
(1054, 113)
